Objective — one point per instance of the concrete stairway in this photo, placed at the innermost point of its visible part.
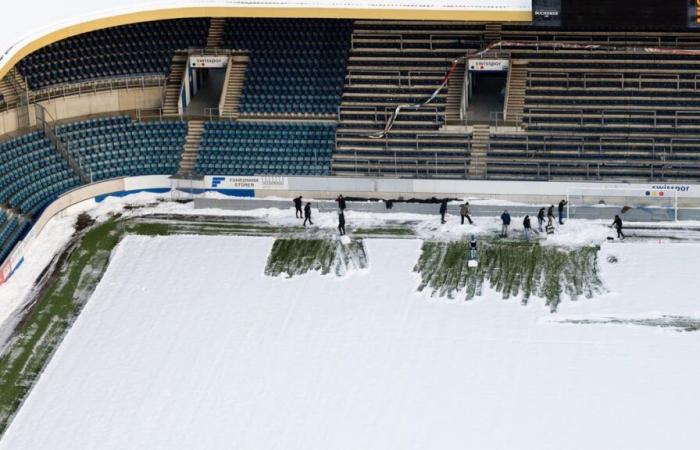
(216, 33)
(18, 80)
(480, 147)
(7, 91)
(171, 95)
(234, 86)
(454, 96)
(515, 99)
(195, 128)
(493, 32)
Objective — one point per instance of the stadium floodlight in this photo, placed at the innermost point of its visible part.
(641, 204)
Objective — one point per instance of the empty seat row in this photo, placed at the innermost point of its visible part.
(137, 49)
(120, 147)
(266, 148)
(295, 66)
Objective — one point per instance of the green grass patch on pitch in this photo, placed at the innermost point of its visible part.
(510, 267)
(293, 257)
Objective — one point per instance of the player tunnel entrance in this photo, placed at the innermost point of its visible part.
(204, 84)
(485, 89)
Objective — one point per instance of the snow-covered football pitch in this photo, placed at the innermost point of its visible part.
(186, 344)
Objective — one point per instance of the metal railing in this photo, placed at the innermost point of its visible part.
(402, 78)
(381, 114)
(99, 85)
(594, 171)
(657, 41)
(420, 168)
(625, 80)
(62, 147)
(607, 117)
(399, 42)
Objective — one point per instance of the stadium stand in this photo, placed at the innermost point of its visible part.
(392, 63)
(266, 148)
(138, 49)
(295, 67)
(32, 173)
(11, 228)
(612, 113)
(118, 146)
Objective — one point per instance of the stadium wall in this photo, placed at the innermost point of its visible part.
(89, 104)
(520, 191)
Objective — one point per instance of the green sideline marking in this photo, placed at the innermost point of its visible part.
(511, 268)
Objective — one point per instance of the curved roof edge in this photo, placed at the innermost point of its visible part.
(28, 45)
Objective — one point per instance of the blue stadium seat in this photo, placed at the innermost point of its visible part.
(137, 49)
(119, 147)
(296, 66)
(266, 148)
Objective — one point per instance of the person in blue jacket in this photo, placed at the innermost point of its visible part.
(505, 219)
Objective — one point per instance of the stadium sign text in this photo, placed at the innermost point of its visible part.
(239, 182)
(488, 65)
(671, 187)
(211, 62)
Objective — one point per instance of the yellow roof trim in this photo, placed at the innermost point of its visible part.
(225, 12)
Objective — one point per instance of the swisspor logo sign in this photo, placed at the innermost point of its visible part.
(488, 65)
(211, 62)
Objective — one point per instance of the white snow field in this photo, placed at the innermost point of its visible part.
(187, 345)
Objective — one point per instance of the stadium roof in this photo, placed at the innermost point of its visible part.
(28, 26)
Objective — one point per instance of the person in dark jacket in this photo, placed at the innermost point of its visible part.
(307, 214)
(550, 212)
(443, 210)
(341, 202)
(526, 228)
(341, 222)
(464, 212)
(617, 224)
(297, 207)
(562, 204)
(505, 219)
(540, 218)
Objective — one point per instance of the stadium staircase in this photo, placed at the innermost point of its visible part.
(515, 96)
(188, 159)
(215, 34)
(171, 96)
(480, 145)
(454, 96)
(234, 87)
(8, 94)
(393, 63)
(18, 80)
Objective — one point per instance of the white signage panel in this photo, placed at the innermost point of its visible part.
(489, 65)
(208, 62)
(243, 182)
